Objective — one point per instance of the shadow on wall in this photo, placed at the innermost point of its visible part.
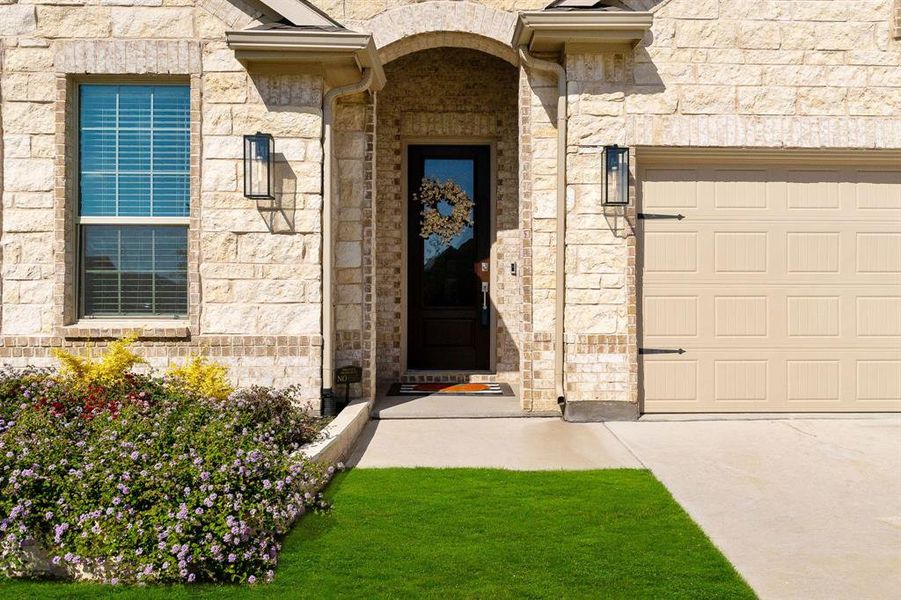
(278, 213)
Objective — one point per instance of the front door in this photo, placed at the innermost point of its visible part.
(449, 219)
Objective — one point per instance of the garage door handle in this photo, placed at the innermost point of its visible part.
(659, 216)
(661, 351)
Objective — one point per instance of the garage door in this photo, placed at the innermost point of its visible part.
(770, 287)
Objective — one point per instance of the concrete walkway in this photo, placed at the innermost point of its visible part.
(803, 508)
(509, 443)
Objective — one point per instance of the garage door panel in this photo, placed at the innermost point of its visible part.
(735, 315)
(878, 191)
(838, 252)
(879, 252)
(781, 285)
(772, 380)
(773, 193)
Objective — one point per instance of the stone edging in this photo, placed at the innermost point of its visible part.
(338, 438)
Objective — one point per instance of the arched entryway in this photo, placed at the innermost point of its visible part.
(447, 108)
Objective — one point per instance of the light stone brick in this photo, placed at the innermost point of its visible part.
(21, 319)
(821, 101)
(874, 101)
(587, 319)
(707, 99)
(799, 36)
(27, 59)
(232, 318)
(280, 291)
(759, 35)
(225, 87)
(27, 220)
(266, 248)
(220, 175)
(845, 36)
(299, 122)
(17, 19)
(35, 292)
(218, 246)
(348, 255)
(63, 21)
(817, 10)
(153, 22)
(705, 34)
(217, 120)
(287, 319)
(220, 59)
(223, 146)
(28, 199)
(27, 175)
(218, 291)
(17, 146)
(694, 9)
(767, 100)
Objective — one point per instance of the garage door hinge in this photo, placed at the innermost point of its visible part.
(661, 351)
(659, 216)
(678, 217)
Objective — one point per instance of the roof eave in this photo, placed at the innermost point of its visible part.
(551, 30)
(308, 46)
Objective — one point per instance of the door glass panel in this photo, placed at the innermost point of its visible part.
(447, 269)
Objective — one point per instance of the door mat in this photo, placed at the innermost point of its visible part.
(450, 389)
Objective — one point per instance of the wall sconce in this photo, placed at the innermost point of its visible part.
(259, 176)
(616, 176)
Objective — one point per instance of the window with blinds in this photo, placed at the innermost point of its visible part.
(134, 194)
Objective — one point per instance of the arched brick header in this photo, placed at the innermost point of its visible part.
(404, 29)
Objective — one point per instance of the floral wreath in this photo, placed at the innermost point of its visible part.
(447, 227)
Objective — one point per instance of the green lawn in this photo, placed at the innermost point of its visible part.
(467, 533)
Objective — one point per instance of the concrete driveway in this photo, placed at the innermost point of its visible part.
(803, 508)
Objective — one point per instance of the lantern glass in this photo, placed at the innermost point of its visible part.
(616, 176)
(259, 150)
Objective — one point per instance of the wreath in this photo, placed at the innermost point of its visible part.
(446, 226)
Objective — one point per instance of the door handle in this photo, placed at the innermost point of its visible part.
(661, 351)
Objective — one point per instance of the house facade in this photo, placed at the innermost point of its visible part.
(617, 207)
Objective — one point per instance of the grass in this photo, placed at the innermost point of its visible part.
(472, 533)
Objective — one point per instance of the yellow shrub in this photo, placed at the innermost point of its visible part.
(117, 360)
(207, 379)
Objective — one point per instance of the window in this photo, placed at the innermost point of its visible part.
(134, 195)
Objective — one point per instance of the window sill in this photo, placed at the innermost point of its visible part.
(118, 328)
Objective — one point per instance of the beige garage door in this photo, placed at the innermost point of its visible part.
(778, 289)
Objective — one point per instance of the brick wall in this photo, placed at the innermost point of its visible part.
(453, 94)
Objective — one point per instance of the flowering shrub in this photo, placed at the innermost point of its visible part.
(117, 361)
(203, 378)
(132, 479)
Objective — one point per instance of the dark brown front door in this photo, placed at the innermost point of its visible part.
(448, 314)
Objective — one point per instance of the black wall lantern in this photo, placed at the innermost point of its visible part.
(259, 175)
(616, 176)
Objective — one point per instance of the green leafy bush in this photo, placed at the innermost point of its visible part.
(133, 479)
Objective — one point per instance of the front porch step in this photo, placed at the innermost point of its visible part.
(442, 406)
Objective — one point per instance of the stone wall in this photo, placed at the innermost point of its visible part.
(351, 221)
(454, 94)
(710, 73)
(254, 269)
(774, 74)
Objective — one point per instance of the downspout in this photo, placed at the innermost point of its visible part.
(560, 297)
(328, 308)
